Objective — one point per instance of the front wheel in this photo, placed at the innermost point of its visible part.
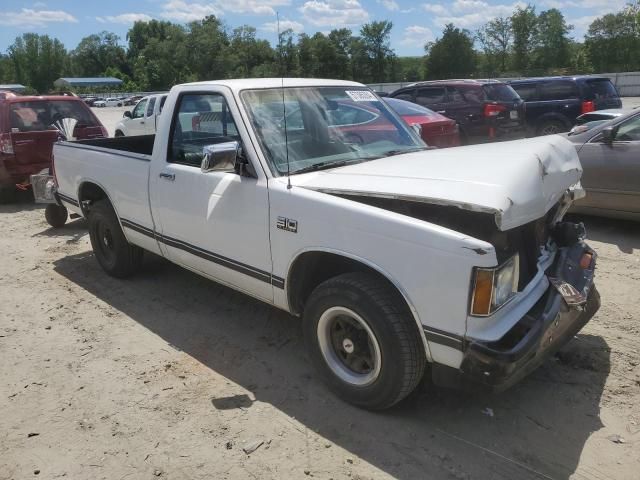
(363, 340)
(112, 250)
(56, 215)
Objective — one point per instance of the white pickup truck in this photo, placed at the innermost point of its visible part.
(400, 259)
(143, 118)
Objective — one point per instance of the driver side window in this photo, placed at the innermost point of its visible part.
(629, 131)
(201, 120)
(138, 112)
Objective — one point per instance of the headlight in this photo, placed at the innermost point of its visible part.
(494, 287)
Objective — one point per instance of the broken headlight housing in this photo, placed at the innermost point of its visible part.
(494, 287)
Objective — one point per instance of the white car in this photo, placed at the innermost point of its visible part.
(100, 104)
(143, 118)
(113, 102)
(396, 257)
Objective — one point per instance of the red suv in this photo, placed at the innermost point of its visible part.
(484, 110)
(29, 126)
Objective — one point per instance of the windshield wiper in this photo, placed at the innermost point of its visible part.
(325, 165)
(392, 153)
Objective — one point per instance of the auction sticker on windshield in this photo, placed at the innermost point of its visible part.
(361, 96)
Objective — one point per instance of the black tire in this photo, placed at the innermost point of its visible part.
(401, 354)
(118, 134)
(8, 195)
(115, 255)
(551, 127)
(56, 215)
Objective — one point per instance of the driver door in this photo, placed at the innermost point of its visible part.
(216, 222)
(136, 125)
(612, 172)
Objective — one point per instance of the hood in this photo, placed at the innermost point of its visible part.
(517, 181)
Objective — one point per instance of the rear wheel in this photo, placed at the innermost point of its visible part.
(363, 340)
(7, 194)
(56, 215)
(118, 134)
(114, 254)
(551, 127)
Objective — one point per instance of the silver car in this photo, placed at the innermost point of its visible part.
(610, 157)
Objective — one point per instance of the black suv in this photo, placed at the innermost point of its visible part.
(485, 110)
(554, 103)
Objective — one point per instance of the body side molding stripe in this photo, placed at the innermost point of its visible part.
(245, 269)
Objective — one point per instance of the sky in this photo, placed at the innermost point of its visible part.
(414, 23)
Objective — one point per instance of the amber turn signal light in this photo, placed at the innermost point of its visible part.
(482, 291)
(585, 261)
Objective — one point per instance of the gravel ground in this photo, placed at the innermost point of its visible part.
(168, 375)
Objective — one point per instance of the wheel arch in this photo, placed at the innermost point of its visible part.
(313, 266)
(552, 116)
(92, 191)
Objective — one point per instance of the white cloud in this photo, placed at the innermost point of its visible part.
(184, 11)
(125, 18)
(435, 8)
(255, 7)
(297, 27)
(415, 35)
(391, 5)
(469, 13)
(334, 13)
(28, 17)
(180, 11)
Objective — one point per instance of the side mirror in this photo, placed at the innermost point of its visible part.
(220, 157)
(609, 135)
(127, 114)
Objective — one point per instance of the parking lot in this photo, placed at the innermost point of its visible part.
(169, 375)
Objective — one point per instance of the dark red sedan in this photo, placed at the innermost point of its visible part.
(436, 130)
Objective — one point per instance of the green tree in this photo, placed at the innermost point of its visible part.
(613, 40)
(524, 26)
(495, 38)
(248, 55)
(552, 40)
(207, 49)
(452, 55)
(287, 54)
(341, 40)
(38, 60)
(376, 39)
(97, 52)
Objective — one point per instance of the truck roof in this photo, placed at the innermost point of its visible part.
(250, 83)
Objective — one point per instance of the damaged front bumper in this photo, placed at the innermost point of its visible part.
(569, 303)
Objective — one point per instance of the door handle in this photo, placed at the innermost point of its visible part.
(142, 122)
(168, 176)
(441, 111)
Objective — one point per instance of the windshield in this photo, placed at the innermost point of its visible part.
(38, 115)
(499, 92)
(323, 127)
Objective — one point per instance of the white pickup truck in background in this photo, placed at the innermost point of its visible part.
(399, 259)
(143, 118)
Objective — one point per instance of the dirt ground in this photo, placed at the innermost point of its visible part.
(168, 375)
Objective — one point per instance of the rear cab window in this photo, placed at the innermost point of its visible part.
(43, 115)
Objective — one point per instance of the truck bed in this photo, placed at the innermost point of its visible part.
(141, 144)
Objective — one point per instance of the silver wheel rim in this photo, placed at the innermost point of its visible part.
(550, 129)
(349, 346)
